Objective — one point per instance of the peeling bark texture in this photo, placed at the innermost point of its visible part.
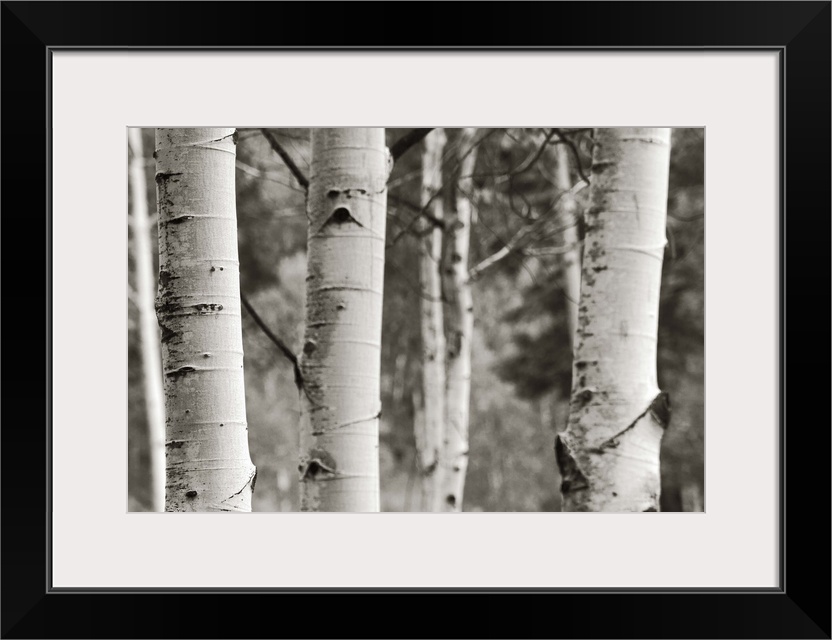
(454, 457)
(570, 258)
(431, 320)
(341, 359)
(609, 454)
(198, 308)
(148, 328)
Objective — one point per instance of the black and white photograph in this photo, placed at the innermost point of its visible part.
(416, 319)
(451, 269)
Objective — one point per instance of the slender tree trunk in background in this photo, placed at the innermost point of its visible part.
(399, 374)
(284, 484)
(692, 498)
(609, 454)
(419, 438)
(432, 323)
(454, 457)
(571, 258)
(341, 360)
(198, 307)
(148, 328)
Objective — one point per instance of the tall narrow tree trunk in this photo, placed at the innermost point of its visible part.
(198, 307)
(432, 323)
(609, 454)
(419, 438)
(570, 258)
(454, 457)
(341, 360)
(148, 328)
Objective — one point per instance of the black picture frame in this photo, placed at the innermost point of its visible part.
(798, 608)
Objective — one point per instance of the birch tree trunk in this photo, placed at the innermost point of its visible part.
(571, 258)
(148, 328)
(609, 454)
(341, 359)
(198, 307)
(419, 438)
(431, 319)
(454, 457)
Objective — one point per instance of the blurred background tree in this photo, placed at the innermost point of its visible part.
(521, 355)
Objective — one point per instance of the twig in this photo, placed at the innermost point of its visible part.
(286, 351)
(423, 212)
(563, 139)
(475, 271)
(254, 172)
(551, 251)
(303, 181)
(525, 166)
(522, 233)
(436, 222)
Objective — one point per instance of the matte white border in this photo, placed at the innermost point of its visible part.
(96, 95)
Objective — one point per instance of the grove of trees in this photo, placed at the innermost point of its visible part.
(370, 319)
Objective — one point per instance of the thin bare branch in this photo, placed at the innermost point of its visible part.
(517, 240)
(423, 211)
(475, 271)
(254, 172)
(303, 181)
(564, 140)
(411, 138)
(414, 207)
(286, 351)
(551, 251)
(530, 161)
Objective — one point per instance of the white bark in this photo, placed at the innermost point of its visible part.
(571, 257)
(198, 307)
(341, 360)
(425, 489)
(609, 454)
(431, 319)
(454, 457)
(148, 327)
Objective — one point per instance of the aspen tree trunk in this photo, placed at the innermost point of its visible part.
(454, 457)
(419, 437)
(148, 328)
(571, 258)
(198, 307)
(609, 454)
(341, 360)
(431, 320)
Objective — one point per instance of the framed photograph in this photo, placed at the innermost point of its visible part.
(101, 98)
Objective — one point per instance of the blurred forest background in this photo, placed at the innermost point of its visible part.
(521, 348)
